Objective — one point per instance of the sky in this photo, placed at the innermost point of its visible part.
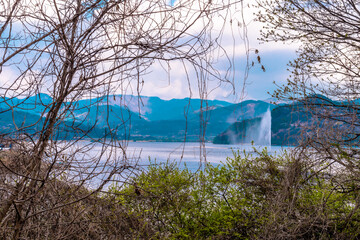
(258, 84)
(274, 57)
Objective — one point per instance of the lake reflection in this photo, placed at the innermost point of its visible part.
(139, 153)
(189, 153)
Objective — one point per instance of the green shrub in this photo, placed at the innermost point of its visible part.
(247, 197)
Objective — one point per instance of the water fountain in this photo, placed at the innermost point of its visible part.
(265, 129)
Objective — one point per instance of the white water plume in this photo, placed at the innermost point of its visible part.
(265, 129)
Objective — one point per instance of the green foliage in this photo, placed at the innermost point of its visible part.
(247, 197)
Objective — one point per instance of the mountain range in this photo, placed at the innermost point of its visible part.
(127, 116)
(141, 118)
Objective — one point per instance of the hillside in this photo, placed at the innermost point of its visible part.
(288, 124)
(132, 117)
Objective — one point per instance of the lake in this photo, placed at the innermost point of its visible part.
(139, 153)
(189, 153)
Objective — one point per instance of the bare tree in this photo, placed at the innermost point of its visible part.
(74, 51)
(324, 85)
(326, 72)
(325, 76)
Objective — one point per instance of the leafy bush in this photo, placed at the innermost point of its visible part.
(247, 197)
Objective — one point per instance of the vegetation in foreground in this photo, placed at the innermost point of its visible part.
(247, 197)
(261, 197)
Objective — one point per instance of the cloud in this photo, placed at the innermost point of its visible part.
(232, 36)
(179, 79)
(7, 76)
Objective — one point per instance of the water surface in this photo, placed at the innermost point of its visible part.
(191, 153)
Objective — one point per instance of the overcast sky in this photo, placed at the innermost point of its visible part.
(275, 57)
